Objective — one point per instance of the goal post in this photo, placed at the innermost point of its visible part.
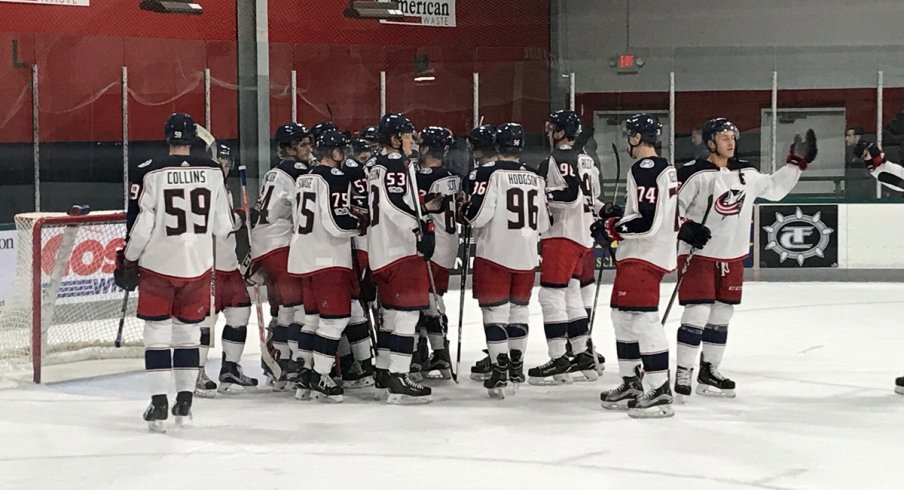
(63, 305)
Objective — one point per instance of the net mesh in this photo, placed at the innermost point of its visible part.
(79, 303)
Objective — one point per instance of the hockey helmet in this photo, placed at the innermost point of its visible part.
(321, 128)
(290, 133)
(719, 125)
(436, 138)
(646, 125)
(509, 137)
(331, 139)
(224, 151)
(567, 121)
(360, 145)
(370, 134)
(393, 124)
(483, 138)
(180, 129)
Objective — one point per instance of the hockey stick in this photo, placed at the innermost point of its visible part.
(599, 273)
(465, 265)
(371, 321)
(265, 352)
(687, 264)
(412, 184)
(122, 319)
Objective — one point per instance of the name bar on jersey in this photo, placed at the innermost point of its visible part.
(186, 177)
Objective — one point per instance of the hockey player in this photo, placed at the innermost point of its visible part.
(176, 206)
(320, 254)
(716, 199)
(891, 175)
(646, 252)
(231, 298)
(437, 185)
(564, 246)
(507, 210)
(270, 238)
(398, 246)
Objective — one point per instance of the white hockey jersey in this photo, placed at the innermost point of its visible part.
(733, 190)
(508, 212)
(649, 227)
(890, 174)
(323, 225)
(434, 182)
(275, 205)
(176, 206)
(393, 218)
(571, 209)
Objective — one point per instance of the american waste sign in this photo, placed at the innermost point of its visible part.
(430, 13)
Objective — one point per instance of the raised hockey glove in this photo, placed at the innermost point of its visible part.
(363, 217)
(870, 153)
(611, 231)
(803, 150)
(126, 273)
(611, 210)
(695, 234)
(426, 239)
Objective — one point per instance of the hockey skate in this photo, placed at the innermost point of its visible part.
(205, 387)
(282, 383)
(582, 367)
(418, 359)
(359, 375)
(899, 385)
(710, 382)
(683, 377)
(234, 381)
(182, 407)
(481, 370)
(619, 397)
(440, 365)
(654, 404)
(156, 413)
(516, 367)
(381, 384)
(496, 384)
(404, 391)
(303, 382)
(325, 389)
(553, 372)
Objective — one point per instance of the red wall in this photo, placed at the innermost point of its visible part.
(80, 52)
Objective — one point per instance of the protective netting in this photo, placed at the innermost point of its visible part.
(78, 305)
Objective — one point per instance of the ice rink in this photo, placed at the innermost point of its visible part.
(815, 365)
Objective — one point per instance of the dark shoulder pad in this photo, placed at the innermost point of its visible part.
(394, 162)
(738, 164)
(293, 169)
(509, 165)
(569, 155)
(647, 170)
(139, 170)
(690, 168)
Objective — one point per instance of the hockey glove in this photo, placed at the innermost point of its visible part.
(611, 210)
(611, 231)
(426, 239)
(363, 217)
(598, 232)
(126, 273)
(870, 153)
(695, 234)
(803, 150)
(462, 209)
(238, 216)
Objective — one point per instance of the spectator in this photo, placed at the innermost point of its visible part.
(858, 185)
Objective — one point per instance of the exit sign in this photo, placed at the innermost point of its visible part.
(626, 63)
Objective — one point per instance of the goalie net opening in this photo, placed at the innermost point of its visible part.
(63, 305)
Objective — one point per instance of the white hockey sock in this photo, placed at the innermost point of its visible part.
(654, 349)
(627, 347)
(690, 333)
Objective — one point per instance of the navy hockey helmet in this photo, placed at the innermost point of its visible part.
(290, 133)
(370, 134)
(393, 124)
(437, 138)
(321, 128)
(483, 138)
(646, 125)
(567, 121)
(719, 125)
(360, 145)
(180, 129)
(331, 138)
(510, 137)
(224, 151)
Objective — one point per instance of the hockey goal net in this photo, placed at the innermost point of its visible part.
(63, 305)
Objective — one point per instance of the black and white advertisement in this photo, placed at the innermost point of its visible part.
(795, 236)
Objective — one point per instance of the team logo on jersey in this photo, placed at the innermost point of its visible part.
(799, 236)
(145, 164)
(336, 171)
(647, 163)
(186, 164)
(730, 202)
(300, 166)
(351, 164)
(394, 156)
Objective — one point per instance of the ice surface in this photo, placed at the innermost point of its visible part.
(815, 365)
